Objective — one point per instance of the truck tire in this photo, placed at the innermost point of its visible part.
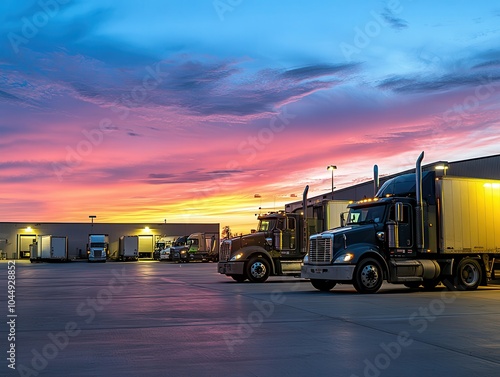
(368, 276)
(469, 275)
(323, 285)
(258, 270)
(239, 278)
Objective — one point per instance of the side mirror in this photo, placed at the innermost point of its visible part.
(343, 220)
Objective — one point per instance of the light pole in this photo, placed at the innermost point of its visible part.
(92, 217)
(332, 168)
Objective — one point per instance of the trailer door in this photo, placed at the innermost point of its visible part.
(58, 249)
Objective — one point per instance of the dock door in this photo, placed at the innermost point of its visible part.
(23, 245)
(146, 246)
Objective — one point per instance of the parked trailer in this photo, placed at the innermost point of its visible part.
(128, 247)
(50, 249)
(419, 230)
(97, 248)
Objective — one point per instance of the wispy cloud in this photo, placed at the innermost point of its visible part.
(394, 21)
(417, 84)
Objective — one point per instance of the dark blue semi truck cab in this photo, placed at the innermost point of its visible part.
(419, 230)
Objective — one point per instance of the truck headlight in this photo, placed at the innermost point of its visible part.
(343, 258)
(236, 257)
(306, 259)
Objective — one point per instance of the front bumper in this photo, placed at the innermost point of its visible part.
(335, 272)
(231, 268)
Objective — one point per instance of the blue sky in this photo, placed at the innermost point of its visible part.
(166, 105)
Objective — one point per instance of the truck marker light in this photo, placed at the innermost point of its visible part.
(492, 185)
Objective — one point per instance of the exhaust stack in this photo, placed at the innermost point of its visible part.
(305, 241)
(376, 182)
(420, 204)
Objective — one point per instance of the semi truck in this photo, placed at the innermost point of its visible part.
(419, 230)
(201, 247)
(161, 244)
(97, 248)
(278, 245)
(173, 251)
(50, 248)
(128, 247)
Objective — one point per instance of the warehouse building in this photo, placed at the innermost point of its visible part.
(482, 167)
(16, 238)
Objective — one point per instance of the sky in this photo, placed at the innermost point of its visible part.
(202, 111)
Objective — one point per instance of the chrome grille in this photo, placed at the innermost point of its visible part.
(320, 250)
(97, 253)
(225, 250)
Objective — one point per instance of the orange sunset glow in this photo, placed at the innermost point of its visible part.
(203, 116)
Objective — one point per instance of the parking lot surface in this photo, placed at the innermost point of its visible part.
(152, 318)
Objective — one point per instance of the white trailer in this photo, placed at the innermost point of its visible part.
(128, 247)
(50, 248)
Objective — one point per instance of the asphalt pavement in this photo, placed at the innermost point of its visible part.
(151, 318)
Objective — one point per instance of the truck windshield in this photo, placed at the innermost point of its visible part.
(97, 244)
(266, 225)
(181, 241)
(192, 242)
(366, 215)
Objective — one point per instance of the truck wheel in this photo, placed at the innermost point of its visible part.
(323, 285)
(468, 275)
(238, 278)
(368, 276)
(258, 270)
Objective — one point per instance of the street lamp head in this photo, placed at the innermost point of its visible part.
(331, 167)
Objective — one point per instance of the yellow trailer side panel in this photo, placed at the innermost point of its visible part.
(334, 209)
(470, 215)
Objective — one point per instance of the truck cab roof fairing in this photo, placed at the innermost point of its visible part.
(405, 186)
